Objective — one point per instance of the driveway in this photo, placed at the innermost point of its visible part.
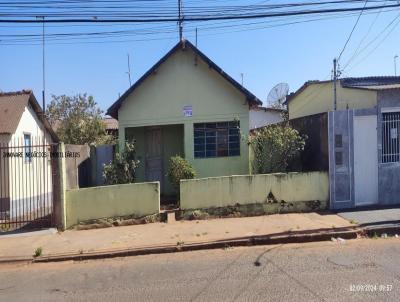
(370, 218)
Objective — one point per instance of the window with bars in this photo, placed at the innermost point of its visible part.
(216, 139)
(390, 137)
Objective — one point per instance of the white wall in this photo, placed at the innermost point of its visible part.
(262, 117)
(30, 181)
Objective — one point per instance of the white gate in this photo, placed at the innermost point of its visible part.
(365, 160)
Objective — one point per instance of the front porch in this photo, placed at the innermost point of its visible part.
(155, 145)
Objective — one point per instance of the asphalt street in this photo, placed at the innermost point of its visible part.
(357, 270)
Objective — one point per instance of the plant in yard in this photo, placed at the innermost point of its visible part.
(179, 168)
(121, 169)
(38, 252)
(274, 147)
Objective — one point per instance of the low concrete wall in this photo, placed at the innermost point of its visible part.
(252, 189)
(137, 199)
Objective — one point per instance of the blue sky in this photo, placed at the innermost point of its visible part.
(292, 54)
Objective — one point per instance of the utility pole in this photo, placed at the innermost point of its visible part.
(43, 67)
(334, 84)
(241, 75)
(395, 64)
(196, 36)
(129, 72)
(180, 18)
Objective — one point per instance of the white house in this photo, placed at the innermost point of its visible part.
(26, 139)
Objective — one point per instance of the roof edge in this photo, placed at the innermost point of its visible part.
(250, 97)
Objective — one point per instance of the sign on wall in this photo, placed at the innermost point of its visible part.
(187, 111)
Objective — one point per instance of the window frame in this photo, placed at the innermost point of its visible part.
(216, 139)
(390, 153)
(27, 148)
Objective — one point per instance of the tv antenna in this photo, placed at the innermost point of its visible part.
(180, 18)
(129, 72)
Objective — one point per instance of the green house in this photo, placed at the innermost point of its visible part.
(186, 105)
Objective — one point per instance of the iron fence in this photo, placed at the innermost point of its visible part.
(28, 170)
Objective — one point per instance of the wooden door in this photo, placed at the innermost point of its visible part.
(153, 155)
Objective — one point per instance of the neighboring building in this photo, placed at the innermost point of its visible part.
(111, 126)
(261, 116)
(186, 105)
(363, 136)
(352, 93)
(25, 180)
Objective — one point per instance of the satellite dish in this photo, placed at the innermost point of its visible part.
(277, 96)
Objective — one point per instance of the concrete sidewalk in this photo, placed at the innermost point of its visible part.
(155, 235)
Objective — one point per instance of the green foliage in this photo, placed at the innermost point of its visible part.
(122, 168)
(179, 169)
(77, 120)
(38, 252)
(274, 147)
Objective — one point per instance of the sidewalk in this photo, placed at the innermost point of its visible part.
(154, 236)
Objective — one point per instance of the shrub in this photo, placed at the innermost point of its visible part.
(121, 169)
(274, 147)
(179, 168)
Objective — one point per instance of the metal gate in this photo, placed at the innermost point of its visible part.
(28, 184)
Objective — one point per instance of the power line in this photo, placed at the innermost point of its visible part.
(17, 39)
(352, 30)
(393, 26)
(363, 39)
(240, 16)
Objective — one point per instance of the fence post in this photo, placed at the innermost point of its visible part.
(62, 187)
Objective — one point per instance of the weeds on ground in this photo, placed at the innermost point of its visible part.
(38, 252)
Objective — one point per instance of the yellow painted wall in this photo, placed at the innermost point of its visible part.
(138, 199)
(178, 82)
(249, 189)
(318, 98)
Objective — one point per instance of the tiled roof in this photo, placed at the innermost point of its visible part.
(370, 81)
(111, 123)
(12, 105)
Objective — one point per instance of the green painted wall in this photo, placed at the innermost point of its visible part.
(111, 201)
(186, 80)
(172, 144)
(250, 189)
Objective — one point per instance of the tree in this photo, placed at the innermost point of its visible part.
(121, 169)
(274, 147)
(77, 120)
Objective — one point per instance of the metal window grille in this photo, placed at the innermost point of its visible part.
(216, 139)
(391, 137)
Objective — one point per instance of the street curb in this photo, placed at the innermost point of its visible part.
(17, 260)
(247, 241)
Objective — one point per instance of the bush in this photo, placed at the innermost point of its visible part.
(274, 147)
(179, 168)
(121, 169)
